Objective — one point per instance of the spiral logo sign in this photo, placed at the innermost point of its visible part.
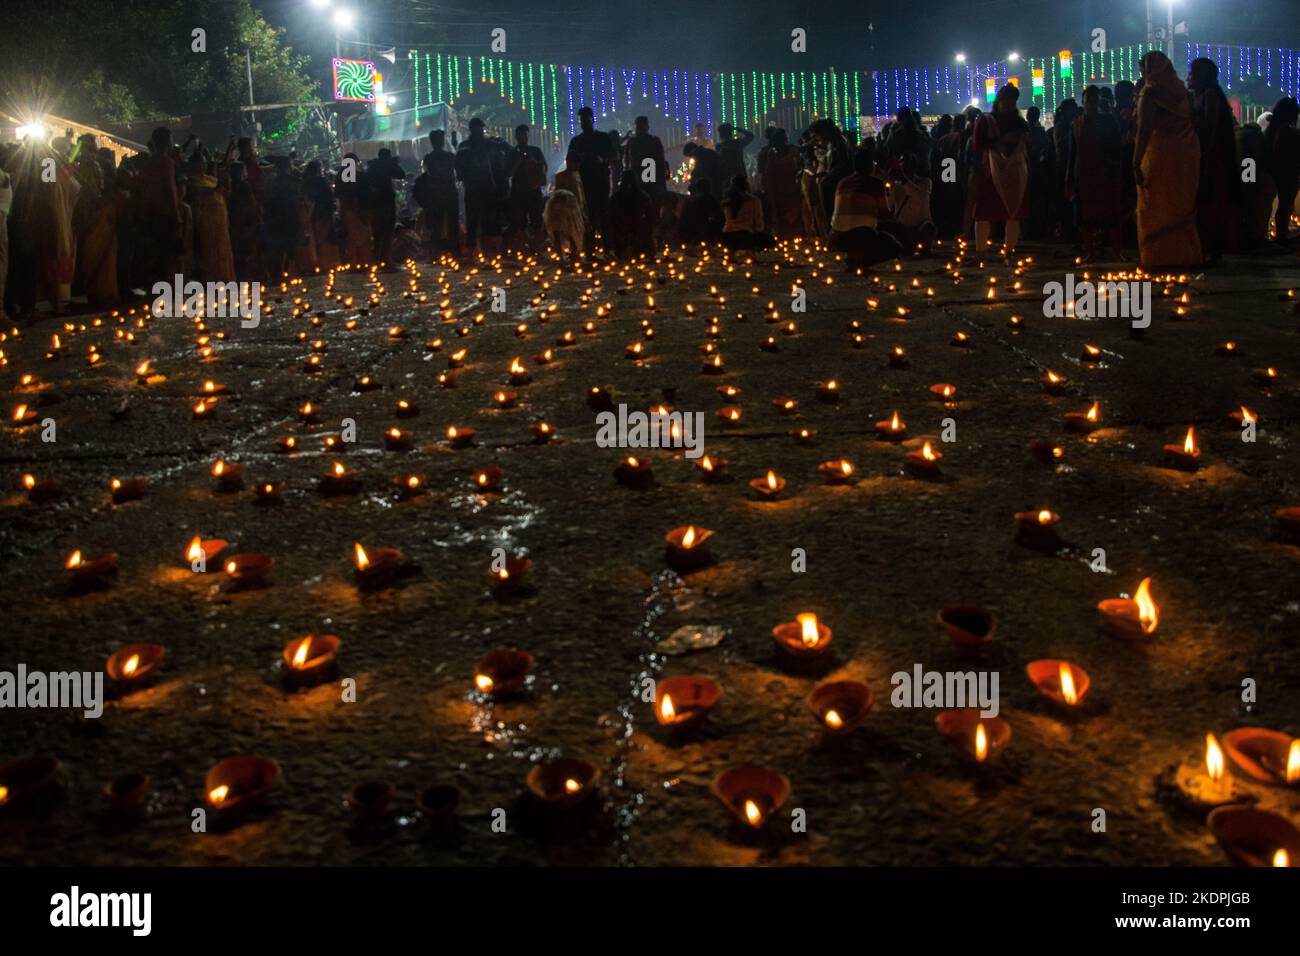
(354, 80)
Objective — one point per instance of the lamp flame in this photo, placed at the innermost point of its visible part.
(808, 629)
(981, 743)
(1067, 684)
(1148, 612)
(1213, 758)
(666, 710)
(363, 561)
(752, 813)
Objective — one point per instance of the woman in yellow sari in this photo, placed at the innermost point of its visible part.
(213, 256)
(1166, 168)
(95, 224)
(51, 224)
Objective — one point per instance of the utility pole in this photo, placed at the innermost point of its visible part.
(1150, 24)
(248, 62)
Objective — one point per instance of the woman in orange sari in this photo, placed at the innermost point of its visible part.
(51, 225)
(1166, 168)
(95, 225)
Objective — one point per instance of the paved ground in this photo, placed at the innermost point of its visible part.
(883, 555)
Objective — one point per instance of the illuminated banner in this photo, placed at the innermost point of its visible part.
(354, 80)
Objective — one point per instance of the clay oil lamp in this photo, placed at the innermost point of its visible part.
(408, 486)
(684, 702)
(898, 357)
(366, 383)
(839, 471)
(41, 490)
(768, 487)
(1049, 453)
(1037, 530)
(828, 391)
(1054, 384)
(1244, 416)
(313, 364)
(312, 659)
(248, 570)
(28, 783)
(1264, 376)
(205, 408)
(1209, 784)
(635, 351)
(563, 785)
(201, 552)
(544, 357)
(944, 391)
(892, 429)
(460, 437)
(979, 738)
(1090, 353)
(923, 463)
(237, 784)
(803, 639)
(961, 340)
(770, 344)
(714, 366)
(687, 549)
(132, 665)
(840, 705)
(132, 489)
(397, 440)
(439, 802)
(489, 479)
(396, 332)
(369, 801)
(144, 371)
(227, 476)
(785, 406)
(457, 359)
(968, 626)
(634, 473)
(287, 445)
(751, 794)
(1253, 837)
(90, 572)
(127, 792)
(730, 416)
(713, 470)
(1084, 422)
(1184, 457)
(1059, 681)
(1265, 755)
(1016, 322)
(502, 672)
(729, 392)
(599, 399)
(23, 415)
(510, 580)
(1131, 618)
(804, 436)
(339, 480)
(504, 400)
(376, 568)
(406, 409)
(542, 432)
(267, 493)
(433, 345)
(1288, 520)
(1226, 348)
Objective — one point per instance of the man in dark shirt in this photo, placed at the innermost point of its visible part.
(479, 168)
(643, 156)
(705, 165)
(595, 152)
(436, 193)
(731, 152)
(527, 168)
(382, 200)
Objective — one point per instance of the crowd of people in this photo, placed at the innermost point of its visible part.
(1160, 166)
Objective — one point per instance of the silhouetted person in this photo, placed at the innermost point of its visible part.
(595, 153)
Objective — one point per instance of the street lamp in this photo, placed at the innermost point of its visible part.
(1013, 57)
(343, 20)
(960, 58)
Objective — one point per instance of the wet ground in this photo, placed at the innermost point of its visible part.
(882, 556)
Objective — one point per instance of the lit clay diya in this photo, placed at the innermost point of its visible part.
(682, 702)
(376, 568)
(310, 660)
(803, 639)
(406, 409)
(1252, 837)
(840, 705)
(768, 487)
(369, 801)
(489, 479)
(1184, 457)
(227, 476)
(687, 549)
(512, 579)
(408, 486)
(634, 473)
(839, 471)
(563, 785)
(28, 784)
(1084, 422)
(804, 436)
(828, 391)
(1207, 785)
(892, 429)
(1265, 755)
(923, 463)
(1049, 453)
(967, 625)
(1037, 530)
(518, 374)
(131, 489)
(1131, 618)
(1059, 681)
(600, 399)
(237, 784)
(979, 738)
(41, 490)
(898, 357)
(502, 672)
(201, 554)
(133, 664)
(944, 392)
(460, 437)
(751, 794)
(339, 480)
(1054, 384)
(126, 793)
(397, 440)
(248, 570)
(269, 492)
(713, 470)
(542, 432)
(90, 572)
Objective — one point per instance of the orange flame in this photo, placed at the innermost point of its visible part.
(1148, 612)
(666, 710)
(981, 743)
(363, 561)
(808, 629)
(1189, 443)
(132, 663)
(833, 719)
(1213, 758)
(1067, 684)
(752, 813)
(688, 539)
(1293, 762)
